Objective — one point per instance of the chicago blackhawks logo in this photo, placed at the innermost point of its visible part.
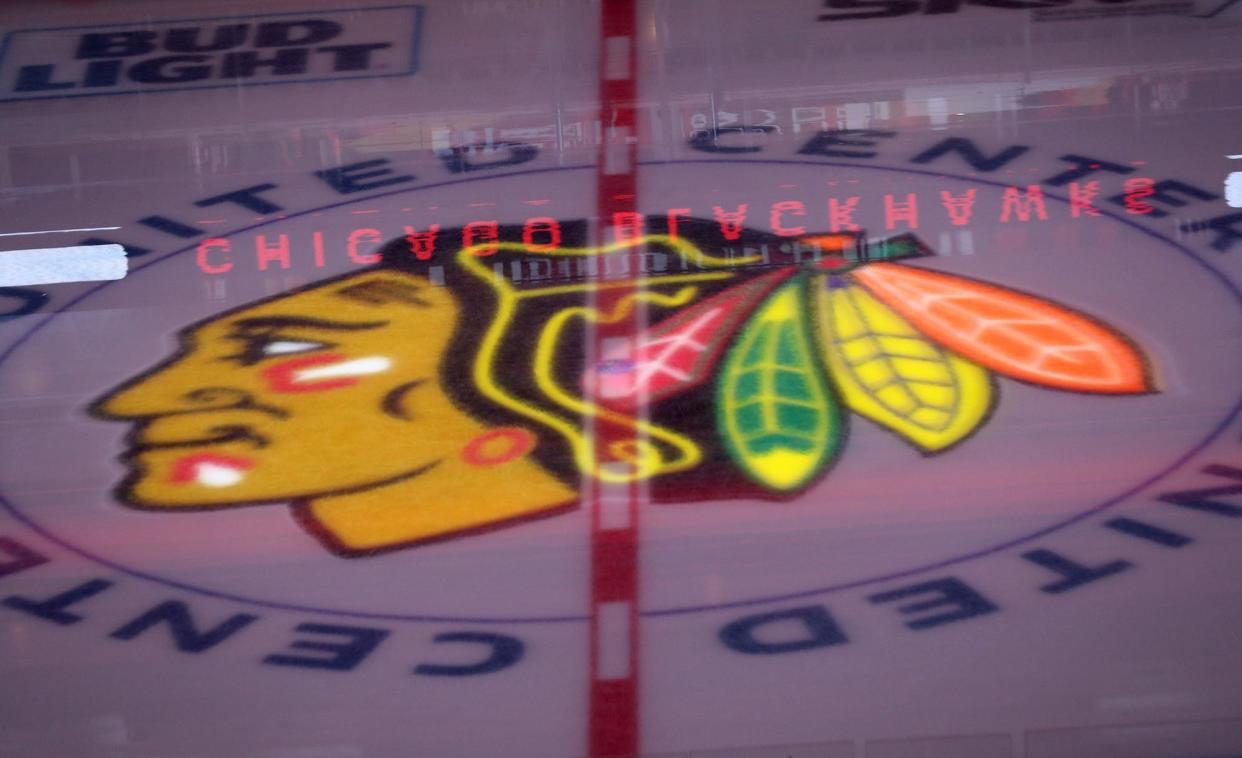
(408, 402)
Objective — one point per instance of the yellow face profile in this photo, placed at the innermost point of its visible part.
(243, 414)
(330, 397)
(390, 412)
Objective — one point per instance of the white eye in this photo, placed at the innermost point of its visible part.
(284, 347)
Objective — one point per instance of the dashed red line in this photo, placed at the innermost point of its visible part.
(613, 728)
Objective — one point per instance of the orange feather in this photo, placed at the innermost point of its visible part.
(1012, 333)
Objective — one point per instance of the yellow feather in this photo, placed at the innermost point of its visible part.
(886, 371)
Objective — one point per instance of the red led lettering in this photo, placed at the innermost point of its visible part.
(673, 215)
(422, 244)
(841, 214)
(1020, 203)
(1081, 196)
(730, 221)
(626, 226)
(481, 231)
(317, 247)
(906, 211)
(265, 251)
(793, 208)
(1136, 190)
(204, 250)
(545, 225)
(959, 206)
(358, 236)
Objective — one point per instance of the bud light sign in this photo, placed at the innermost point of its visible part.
(182, 54)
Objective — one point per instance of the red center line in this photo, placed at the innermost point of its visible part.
(613, 729)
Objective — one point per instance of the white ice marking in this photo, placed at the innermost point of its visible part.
(613, 640)
(617, 151)
(620, 383)
(58, 265)
(616, 58)
(61, 231)
(1233, 189)
(614, 498)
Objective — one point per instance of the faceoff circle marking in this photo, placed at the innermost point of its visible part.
(1234, 412)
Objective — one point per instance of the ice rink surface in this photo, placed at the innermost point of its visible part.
(538, 379)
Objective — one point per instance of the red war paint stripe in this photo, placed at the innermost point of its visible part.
(283, 376)
(613, 709)
(185, 469)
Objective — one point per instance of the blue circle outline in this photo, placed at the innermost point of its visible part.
(1215, 433)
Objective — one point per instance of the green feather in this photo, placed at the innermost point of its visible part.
(775, 411)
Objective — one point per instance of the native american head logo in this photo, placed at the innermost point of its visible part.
(423, 399)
